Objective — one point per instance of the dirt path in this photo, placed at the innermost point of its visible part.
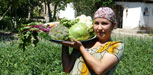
(130, 33)
(8, 36)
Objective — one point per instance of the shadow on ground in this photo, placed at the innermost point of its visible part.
(7, 36)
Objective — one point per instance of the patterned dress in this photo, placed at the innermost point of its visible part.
(113, 47)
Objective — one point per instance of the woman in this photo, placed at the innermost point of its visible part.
(98, 57)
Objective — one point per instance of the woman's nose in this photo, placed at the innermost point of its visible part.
(100, 27)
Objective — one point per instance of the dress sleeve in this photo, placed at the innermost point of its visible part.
(116, 49)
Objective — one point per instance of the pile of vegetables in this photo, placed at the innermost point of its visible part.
(59, 32)
(81, 28)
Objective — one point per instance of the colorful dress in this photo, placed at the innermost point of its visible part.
(112, 47)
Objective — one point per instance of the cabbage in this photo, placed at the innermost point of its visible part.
(79, 31)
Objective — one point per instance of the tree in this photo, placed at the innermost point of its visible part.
(57, 5)
(9, 6)
(88, 7)
(10, 9)
(21, 11)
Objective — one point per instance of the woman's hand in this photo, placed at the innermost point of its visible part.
(75, 44)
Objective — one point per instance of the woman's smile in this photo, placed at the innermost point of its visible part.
(100, 32)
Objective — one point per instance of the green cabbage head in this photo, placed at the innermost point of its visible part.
(79, 31)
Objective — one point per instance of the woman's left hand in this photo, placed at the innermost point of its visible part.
(75, 44)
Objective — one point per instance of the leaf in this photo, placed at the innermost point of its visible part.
(28, 38)
(35, 29)
(22, 30)
(44, 35)
(34, 39)
(98, 0)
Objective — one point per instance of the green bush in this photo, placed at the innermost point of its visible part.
(6, 24)
(10, 24)
(45, 59)
(137, 59)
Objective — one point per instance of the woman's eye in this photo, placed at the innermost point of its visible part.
(97, 23)
(104, 23)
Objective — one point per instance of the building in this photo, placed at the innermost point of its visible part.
(134, 14)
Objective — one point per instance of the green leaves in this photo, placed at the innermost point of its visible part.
(68, 23)
(30, 32)
(28, 38)
(44, 35)
(88, 7)
(136, 55)
(59, 32)
(45, 59)
(79, 31)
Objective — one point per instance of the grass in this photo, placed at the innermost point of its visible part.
(45, 59)
(137, 58)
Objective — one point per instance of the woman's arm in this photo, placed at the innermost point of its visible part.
(99, 66)
(68, 60)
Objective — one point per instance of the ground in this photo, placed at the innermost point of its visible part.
(134, 33)
(8, 36)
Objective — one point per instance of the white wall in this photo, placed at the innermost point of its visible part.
(131, 18)
(134, 18)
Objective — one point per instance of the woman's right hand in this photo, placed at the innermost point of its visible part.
(75, 44)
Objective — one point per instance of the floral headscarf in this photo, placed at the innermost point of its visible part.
(105, 12)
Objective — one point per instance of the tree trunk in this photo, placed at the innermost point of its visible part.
(49, 13)
(29, 14)
(45, 6)
(55, 7)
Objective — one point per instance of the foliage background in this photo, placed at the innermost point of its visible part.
(45, 59)
(14, 13)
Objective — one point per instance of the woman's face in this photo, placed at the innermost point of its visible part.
(103, 28)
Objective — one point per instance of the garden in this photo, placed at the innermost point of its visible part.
(45, 59)
(42, 56)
